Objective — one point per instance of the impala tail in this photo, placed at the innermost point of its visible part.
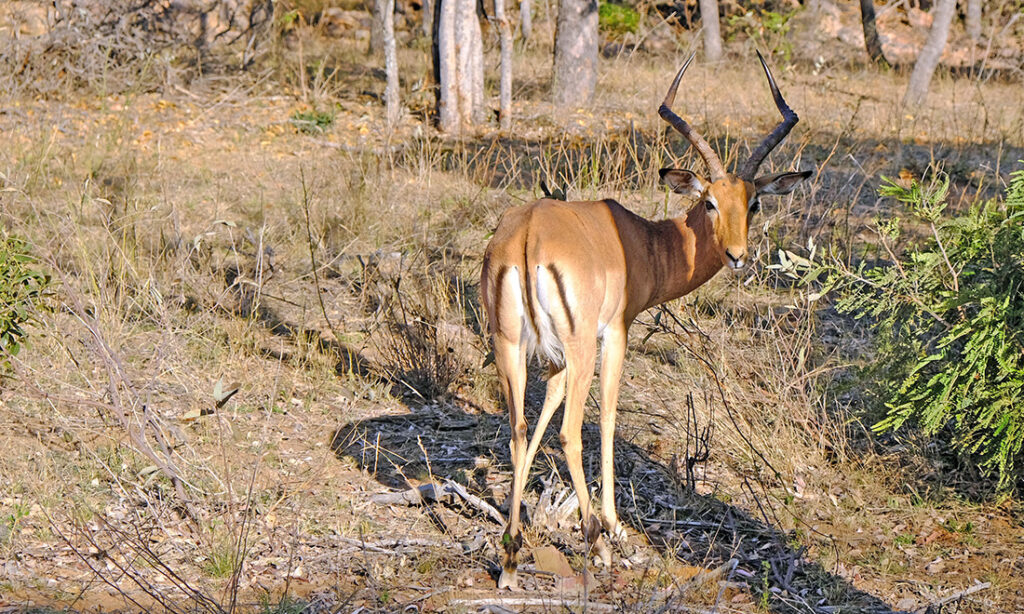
(527, 300)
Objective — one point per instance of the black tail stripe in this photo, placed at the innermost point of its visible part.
(561, 295)
(499, 284)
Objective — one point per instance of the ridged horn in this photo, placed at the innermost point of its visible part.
(703, 148)
(770, 142)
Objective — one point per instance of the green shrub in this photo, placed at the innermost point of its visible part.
(21, 287)
(948, 318)
(617, 20)
(768, 29)
(312, 121)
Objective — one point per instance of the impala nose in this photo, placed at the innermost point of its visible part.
(735, 262)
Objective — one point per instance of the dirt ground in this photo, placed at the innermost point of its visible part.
(203, 238)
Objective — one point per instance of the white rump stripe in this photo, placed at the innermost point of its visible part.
(512, 291)
(548, 344)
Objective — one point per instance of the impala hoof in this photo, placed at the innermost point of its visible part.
(602, 553)
(507, 579)
(592, 530)
(617, 533)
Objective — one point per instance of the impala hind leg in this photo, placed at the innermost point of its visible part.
(512, 538)
(580, 372)
(510, 359)
(552, 399)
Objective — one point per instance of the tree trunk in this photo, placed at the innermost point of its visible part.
(931, 53)
(505, 96)
(469, 48)
(459, 64)
(871, 41)
(391, 100)
(973, 24)
(575, 74)
(447, 100)
(377, 27)
(712, 32)
(428, 17)
(435, 51)
(525, 19)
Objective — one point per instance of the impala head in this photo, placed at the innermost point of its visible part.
(730, 199)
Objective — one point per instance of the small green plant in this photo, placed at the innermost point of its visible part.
(769, 29)
(948, 318)
(11, 521)
(287, 605)
(617, 20)
(426, 565)
(955, 526)
(903, 539)
(221, 561)
(764, 601)
(21, 287)
(312, 121)
(288, 19)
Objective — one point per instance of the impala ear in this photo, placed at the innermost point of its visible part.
(682, 182)
(783, 183)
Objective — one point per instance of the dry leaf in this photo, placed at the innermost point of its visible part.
(549, 559)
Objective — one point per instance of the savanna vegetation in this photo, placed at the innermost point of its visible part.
(243, 356)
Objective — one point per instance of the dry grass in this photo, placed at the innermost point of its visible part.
(197, 237)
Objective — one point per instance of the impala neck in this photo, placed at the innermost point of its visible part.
(684, 255)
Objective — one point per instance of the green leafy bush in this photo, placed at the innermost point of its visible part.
(617, 19)
(948, 317)
(312, 121)
(21, 287)
(769, 29)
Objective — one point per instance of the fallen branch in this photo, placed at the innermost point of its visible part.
(440, 493)
(525, 602)
(711, 574)
(388, 546)
(936, 605)
(475, 501)
(708, 575)
(699, 524)
(413, 496)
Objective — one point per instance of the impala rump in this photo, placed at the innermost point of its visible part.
(530, 310)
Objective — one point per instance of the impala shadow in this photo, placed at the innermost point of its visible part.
(472, 448)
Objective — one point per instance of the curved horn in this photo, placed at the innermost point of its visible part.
(665, 111)
(789, 119)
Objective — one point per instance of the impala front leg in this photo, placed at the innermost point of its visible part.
(612, 354)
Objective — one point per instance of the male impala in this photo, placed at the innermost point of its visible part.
(558, 276)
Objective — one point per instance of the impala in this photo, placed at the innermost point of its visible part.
(557, 276)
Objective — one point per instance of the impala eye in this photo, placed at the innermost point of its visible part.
(710, 206)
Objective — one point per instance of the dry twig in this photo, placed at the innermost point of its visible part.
(388, 546)
(433, 492)
(936, 606)
(525, 602)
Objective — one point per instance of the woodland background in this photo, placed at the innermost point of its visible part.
(240, 244)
